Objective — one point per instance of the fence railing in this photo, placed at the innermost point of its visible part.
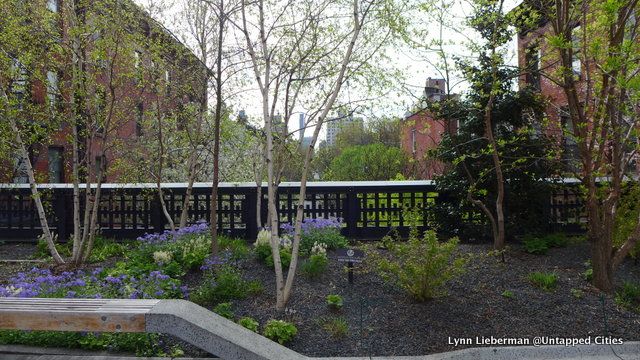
(369, 209)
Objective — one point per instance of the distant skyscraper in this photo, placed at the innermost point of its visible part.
(301, 125)
(278, 125)
(335, 125)
(242, 116)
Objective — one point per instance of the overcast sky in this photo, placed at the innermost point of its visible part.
(417, 66)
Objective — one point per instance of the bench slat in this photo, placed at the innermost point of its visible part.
(99, 315)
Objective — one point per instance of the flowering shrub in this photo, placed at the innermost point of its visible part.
(162, 257)
(319, 249)
(321, 231)
(264, 238)
(96, 284)
(191, 251)
(201, 227)
(317, 262)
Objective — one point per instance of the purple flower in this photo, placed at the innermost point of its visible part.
(310, 225)
(211, 262)
(200, 227)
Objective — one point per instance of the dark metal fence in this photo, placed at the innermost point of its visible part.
(369, 209)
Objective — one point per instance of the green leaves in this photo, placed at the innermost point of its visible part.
(367, 162)
(422, 266)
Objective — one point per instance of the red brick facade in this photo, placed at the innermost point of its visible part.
(52, 157)
(420, 133)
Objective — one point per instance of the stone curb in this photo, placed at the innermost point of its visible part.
(627, 351)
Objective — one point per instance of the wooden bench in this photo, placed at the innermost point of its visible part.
(182, 319)
(112, 315)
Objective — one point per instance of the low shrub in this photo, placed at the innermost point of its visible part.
(544, 281)
(628, 296)
(140, 344)
(102, 250)
(421, 266)
(508, 294)
(535, 245)
(237, 247)
(224, 309)
(335, 301)
(314, 266)
(336, 327)
(280, 331)
(263, 251)
(556, 240)
(539, 245)
(577, 293)
(249, 323)
(285, 258)
(224, 285)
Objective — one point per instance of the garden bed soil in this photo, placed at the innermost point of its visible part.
(11, 251)
(383, 320)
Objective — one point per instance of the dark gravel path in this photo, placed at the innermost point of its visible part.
(383, 320)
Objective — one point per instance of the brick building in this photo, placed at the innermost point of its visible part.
(420, 132)
(176, 67)
(536, 57)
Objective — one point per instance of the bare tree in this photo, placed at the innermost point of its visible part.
(295, 60)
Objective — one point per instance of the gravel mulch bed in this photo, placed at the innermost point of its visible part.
(383, 320)
(15, 251)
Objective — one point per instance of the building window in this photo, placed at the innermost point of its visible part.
(20, 174)
(139, 118)
(533, 58)
(101, 102)
(20, 82)
(101, 167)
(414, 143)
(137, 56)
(55, 164)
(52, 5)
(52, 88)
(576, 63)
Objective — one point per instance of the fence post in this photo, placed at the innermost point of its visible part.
(352, 213)
(250, 216)
(60, 211)
(158, 220)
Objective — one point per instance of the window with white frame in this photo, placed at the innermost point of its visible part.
(414, 142)
(52, 87)
(576, 63)
(20, 81)
(137, 58)
(52, 5)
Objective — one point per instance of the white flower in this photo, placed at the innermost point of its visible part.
(285, 241)
(319, 249)
(14, 291)
(264, 237)
(162, 257)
